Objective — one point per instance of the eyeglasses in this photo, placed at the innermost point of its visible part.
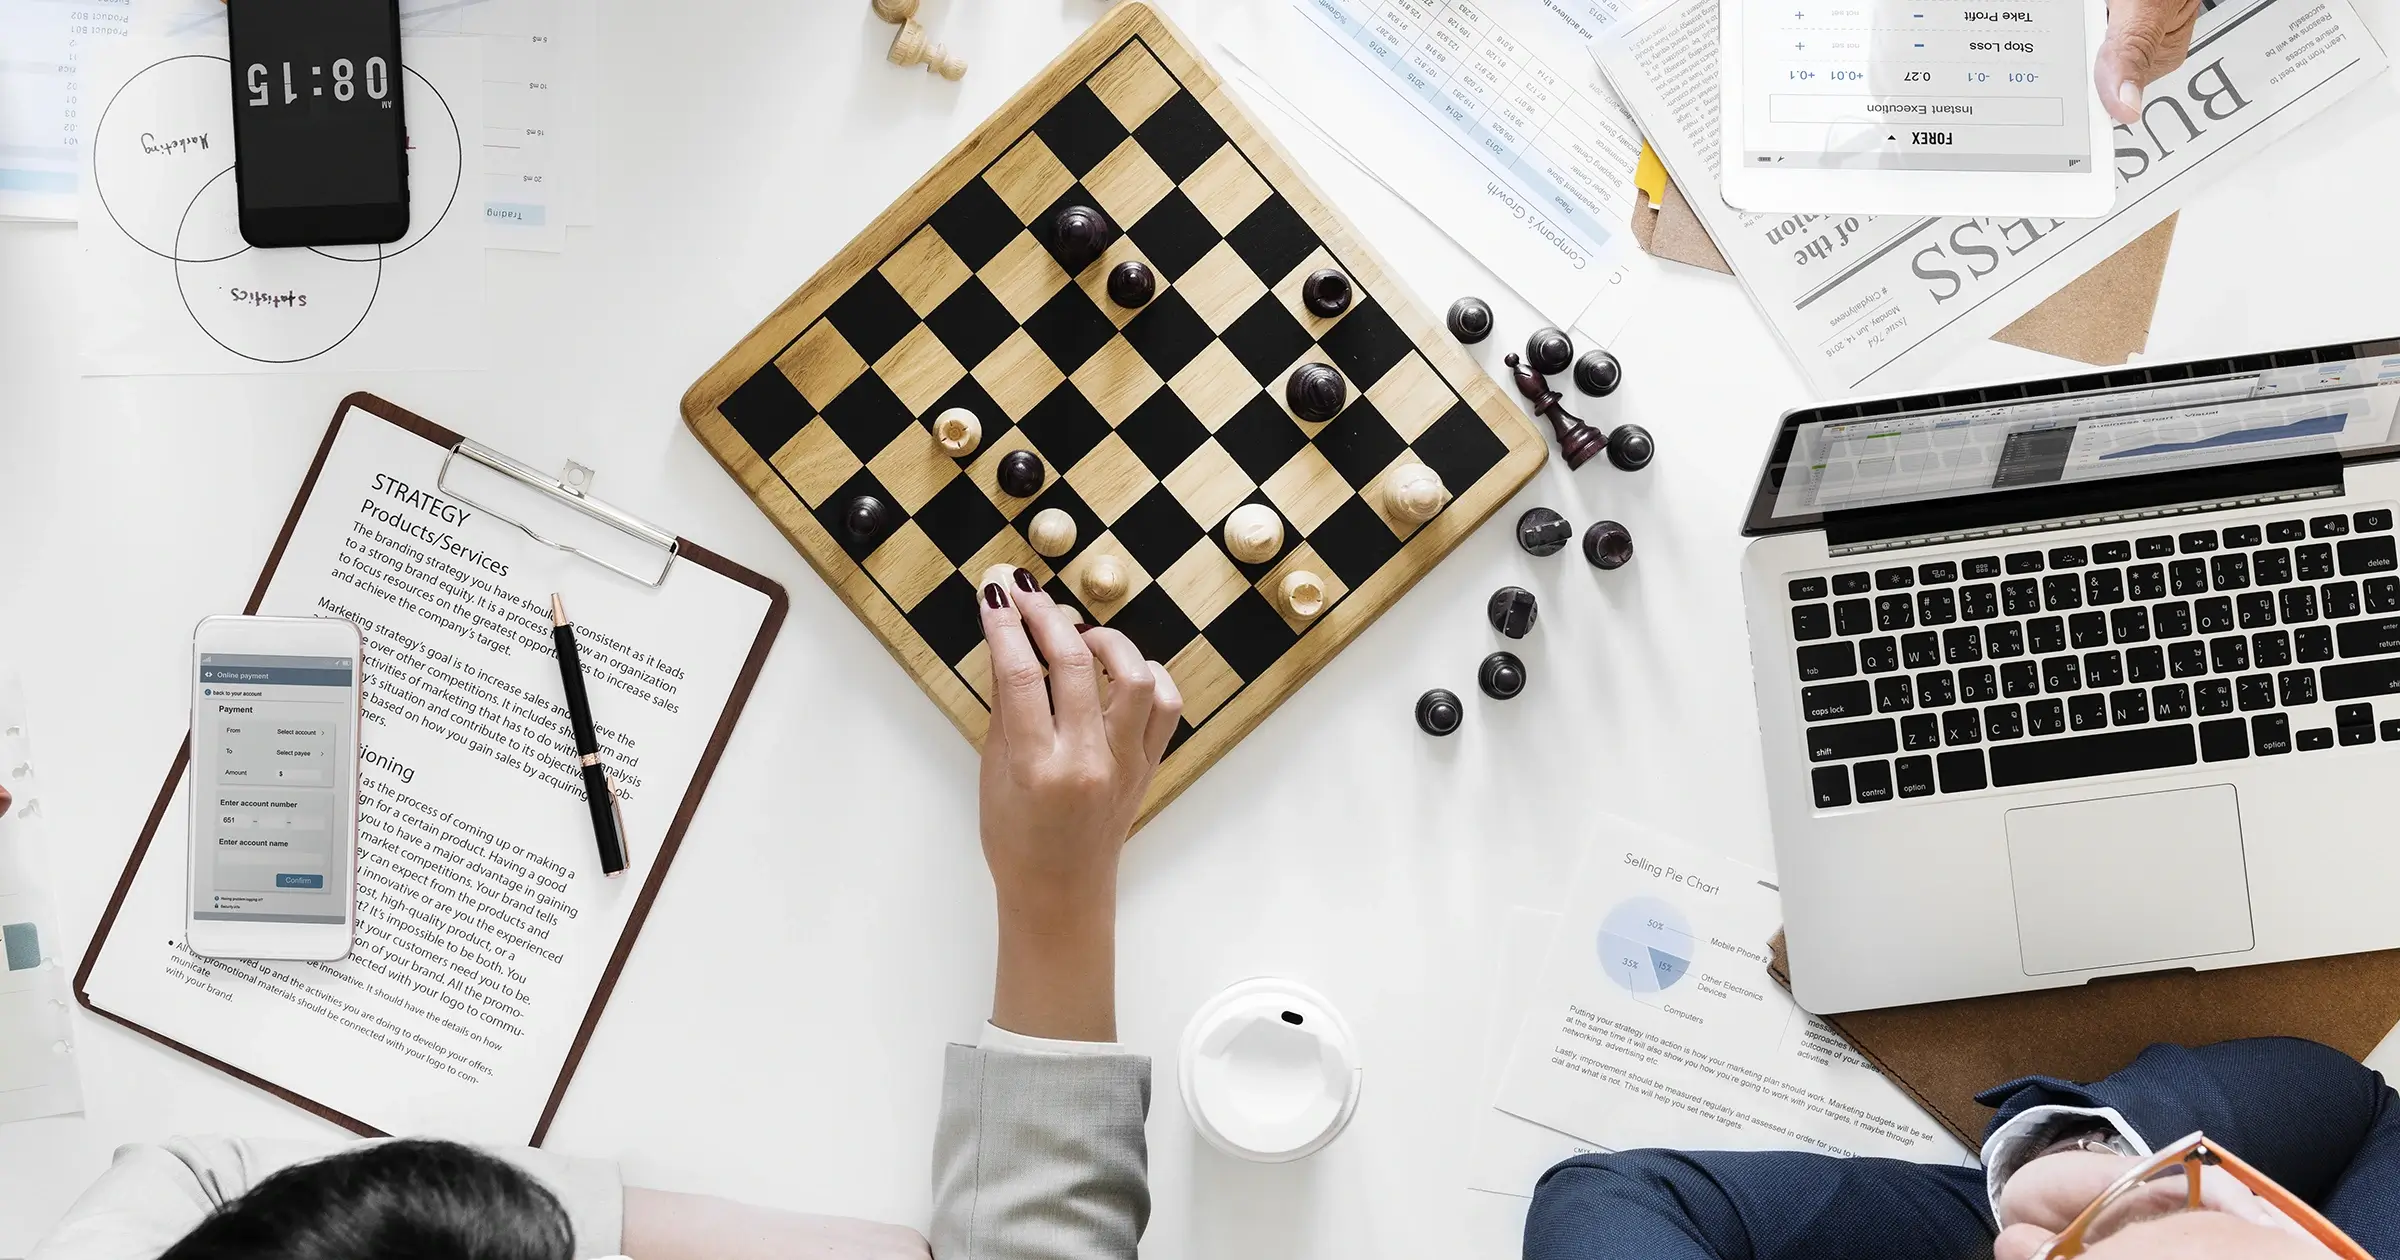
(2170, 1182)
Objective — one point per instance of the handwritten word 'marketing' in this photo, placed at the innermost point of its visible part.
(152, 144)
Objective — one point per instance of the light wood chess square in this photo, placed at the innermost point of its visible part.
(1214, 385)
(913, 468)
(1116, 380)
(1023, 275)
(1112, 478)
(1203, 582)
(821, 364)
(1127, 183)
(816, 462)
(1008, 547)
(1316, 354)
(1306, 489)
(1287, 291)
(1226, 189)
(1018, 374)
(1412, 396)
(1029, 178)
(1137, 579)
(908, 566)
(925, 270)
(1133, 85)
(1220, 287)
(1093, 280)
(1204, 678)
(1209, 484)
(985, 473)
(920, 369)
(1302, 557)
(977, 671)
(1378, 494)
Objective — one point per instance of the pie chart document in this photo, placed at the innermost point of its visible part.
(1654, 1023)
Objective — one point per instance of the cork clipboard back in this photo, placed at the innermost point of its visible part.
(1152, 421)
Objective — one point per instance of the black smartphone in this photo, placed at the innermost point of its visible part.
(320, 141)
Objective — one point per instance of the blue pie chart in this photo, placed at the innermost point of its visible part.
(1646, 945)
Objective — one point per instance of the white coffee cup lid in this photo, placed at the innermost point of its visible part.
(1269, 1071)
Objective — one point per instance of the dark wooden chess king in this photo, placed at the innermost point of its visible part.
(1577, 441)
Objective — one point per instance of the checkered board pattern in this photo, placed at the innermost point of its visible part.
(1153, 424)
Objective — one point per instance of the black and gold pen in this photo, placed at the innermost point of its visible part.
(598, 788)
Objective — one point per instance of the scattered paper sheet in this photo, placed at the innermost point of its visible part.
(1506, 1155)
(1655, 1022)
(38, 1075)
(171, 287)
(44, 101)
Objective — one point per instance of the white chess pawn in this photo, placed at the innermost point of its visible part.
(1416, 493)
(1303, 593)
(1104, 580)
(1254, 533)
(957, 432)
(911, 47)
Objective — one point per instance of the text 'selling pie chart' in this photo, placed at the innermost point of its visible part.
(1646, 945)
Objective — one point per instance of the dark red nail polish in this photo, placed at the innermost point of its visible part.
(1025, 581)
(1082, 626)
(993, 595)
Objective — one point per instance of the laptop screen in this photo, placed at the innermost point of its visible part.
(1914, 453)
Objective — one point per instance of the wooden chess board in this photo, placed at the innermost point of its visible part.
(1152, 423)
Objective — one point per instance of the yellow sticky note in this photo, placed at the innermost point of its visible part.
(1650, 175)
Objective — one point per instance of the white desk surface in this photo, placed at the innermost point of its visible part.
(777, 1035)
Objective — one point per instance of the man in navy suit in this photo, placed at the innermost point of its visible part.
(2319, 1124)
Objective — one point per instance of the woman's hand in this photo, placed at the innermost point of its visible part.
(2146, 39)
(1065, 765)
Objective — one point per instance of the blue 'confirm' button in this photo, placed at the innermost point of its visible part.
(299, 881)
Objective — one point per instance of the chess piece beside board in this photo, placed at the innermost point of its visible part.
(1202, 411)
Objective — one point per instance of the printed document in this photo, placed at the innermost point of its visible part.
(1874, 304)
(46, 104)
(38, 1075)
(484, 923)
(1655, 1022)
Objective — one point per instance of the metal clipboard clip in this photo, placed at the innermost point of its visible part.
(574, 491)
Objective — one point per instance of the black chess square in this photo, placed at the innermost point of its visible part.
(835, 508)
(867, 415)
(1080, 131)
(1045, 225)
(1162, 433)
(1261, 437)
(969, 393)
(1273, 240)
(1088, 524)
(1360, 443)
(946, 619)
(1354, 542)
(1267, 340)
(1155, 624)
(872, 316)
(1366, 344)
(1180, 136)
(971, 323)
(1460, 446)
(1175, 235)
(1183, 731)
(976, 224)
(1064, 427)
(1070, 328)
(1157, 530)
(1250, 634)
(1168, 334)
(767, 410)
(960, 520)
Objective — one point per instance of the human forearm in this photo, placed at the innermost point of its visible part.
(1057, 973)
(666, 1225)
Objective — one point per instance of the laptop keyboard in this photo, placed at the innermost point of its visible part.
(2004, 667)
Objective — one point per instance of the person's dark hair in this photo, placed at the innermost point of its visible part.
(406, 1200)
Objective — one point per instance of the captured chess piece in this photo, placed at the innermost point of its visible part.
(1607, 545)
(1549, 351)
(865, 517)
(1598, 374)
(1316, 392)
(1543, 532)
(1302, 593)
(1104, 579)
(1439, 711)
(1501, 676)
(911, 47)
(1326, 293)
(1511, 611)
(957, 432)
(894, 11)
(1082, 233)
(1052, 532)
(1630, 447)
(1577, 441)
(1253, 533)
(1470, 320)
(1132, 284)
(1020, 474)
(1416, 494)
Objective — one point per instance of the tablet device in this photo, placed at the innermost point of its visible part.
(1948, 107)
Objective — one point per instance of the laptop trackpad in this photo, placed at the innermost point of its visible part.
(2129, 879)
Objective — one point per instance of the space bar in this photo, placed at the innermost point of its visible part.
(2082, 756)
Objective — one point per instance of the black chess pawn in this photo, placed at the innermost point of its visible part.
(1511, 611)
(1326, 293)
(1020, 474)
(1543, 532)
(865, 517)
(1439, 711)
(1082, 233)
(1630, 447)
(1470, 320)
(1501, 676)
(1549, 351)
(1607, 545)
(1577, 441)
(1316, 392)
(1132, 284)
(1598, 374)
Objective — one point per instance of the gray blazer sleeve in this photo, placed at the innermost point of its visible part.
(1041, 1156)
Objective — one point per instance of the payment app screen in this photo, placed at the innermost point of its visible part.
(272, 753)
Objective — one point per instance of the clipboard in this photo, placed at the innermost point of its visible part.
(570, 491)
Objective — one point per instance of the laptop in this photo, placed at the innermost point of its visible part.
(2066, 679)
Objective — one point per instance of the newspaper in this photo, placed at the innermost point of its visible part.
(1879, 303)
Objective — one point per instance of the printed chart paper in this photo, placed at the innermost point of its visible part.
(45, 104)
(38, 1075)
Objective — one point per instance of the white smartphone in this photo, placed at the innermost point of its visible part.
(273, 864)
(1925, 107)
